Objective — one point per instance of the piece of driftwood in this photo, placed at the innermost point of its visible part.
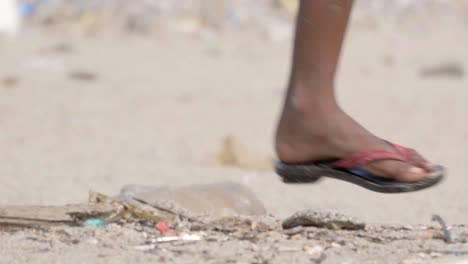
(20, 217)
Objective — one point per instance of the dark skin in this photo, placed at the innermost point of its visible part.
(312, 126)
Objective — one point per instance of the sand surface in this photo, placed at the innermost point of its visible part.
(159, 107)
(242, 241)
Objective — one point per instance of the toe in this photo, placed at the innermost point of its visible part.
(411, 173)
(419, 161)
(398, 170)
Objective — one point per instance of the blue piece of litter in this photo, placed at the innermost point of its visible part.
(95, 223)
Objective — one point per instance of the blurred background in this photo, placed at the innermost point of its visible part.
(98, 94)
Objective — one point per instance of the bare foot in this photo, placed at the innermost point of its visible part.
(307, 135)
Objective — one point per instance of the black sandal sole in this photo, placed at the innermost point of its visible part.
(309, 173)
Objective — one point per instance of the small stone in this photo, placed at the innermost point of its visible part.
(327, 219)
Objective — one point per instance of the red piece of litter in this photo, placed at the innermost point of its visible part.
(164, 229)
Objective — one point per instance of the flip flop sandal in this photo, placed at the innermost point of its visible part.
(350, 169)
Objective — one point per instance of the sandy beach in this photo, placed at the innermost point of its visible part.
(84, 113)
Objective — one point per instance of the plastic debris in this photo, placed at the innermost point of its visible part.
(215, 199)
(95, 223)
(164, 229)
(183, 237)
(447, 237)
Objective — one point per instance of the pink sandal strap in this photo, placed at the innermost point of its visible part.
(404, 151)
(363, 158)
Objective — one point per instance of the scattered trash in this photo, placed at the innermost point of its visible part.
(82, 76)
(183, 237)
(233, 153)
(24, 217)
(446, 233)
(95, 223)
(327, 219)
(235, 237)
(215, 199)
(164, 229)
(449, 70)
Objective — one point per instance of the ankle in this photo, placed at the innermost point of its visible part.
(311, 99)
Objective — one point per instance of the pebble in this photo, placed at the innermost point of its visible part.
(327, 219)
